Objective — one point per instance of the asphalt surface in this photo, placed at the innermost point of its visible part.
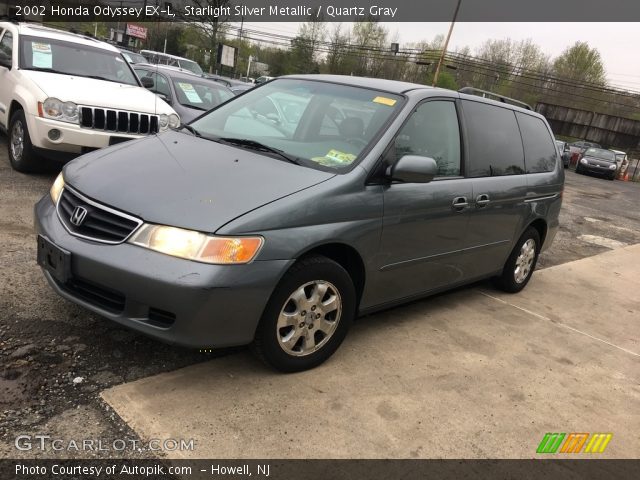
(56, 357)
(472, 373)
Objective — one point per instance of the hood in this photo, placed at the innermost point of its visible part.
(184, 181)
(82, 90)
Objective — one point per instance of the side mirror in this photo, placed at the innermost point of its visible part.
(413, 169)
(147, 82)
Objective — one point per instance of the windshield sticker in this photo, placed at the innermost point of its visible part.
(385, 101)
(190, 92)
(335, 158)
(42, 57)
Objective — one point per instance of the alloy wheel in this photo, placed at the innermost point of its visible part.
(309, 318)
(525, 259)
(17, 141)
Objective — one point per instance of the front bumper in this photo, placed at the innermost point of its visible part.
(73, 138)
(174, 300)
(598, 170)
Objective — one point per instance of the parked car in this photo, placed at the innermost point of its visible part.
(159, 58)
(621, 158)
(598, 161)
(238, 89)
(226, 81)
(263, 79)
(63, 94)
(564, 152)
(190, 95)
(232, 230)
(581, 146)
(132, 57)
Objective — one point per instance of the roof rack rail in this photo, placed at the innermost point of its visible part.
(496, 96)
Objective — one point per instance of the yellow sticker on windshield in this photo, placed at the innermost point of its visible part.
(385, 101)
(335, 158)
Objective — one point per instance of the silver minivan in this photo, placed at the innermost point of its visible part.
(278, 217)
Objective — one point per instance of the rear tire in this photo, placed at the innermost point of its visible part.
(307, 317)
(521, 263)
(22, 156)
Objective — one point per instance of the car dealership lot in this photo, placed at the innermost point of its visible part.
(452, 344)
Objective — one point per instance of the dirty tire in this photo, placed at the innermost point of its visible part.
(22, 156)
(317, 283)
(512, 279)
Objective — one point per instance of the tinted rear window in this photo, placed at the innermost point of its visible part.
(495, 147)
(539, 154)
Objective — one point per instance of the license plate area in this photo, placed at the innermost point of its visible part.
(54, 259)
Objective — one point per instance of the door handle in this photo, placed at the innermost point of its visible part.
(460, 203)
(482, 200)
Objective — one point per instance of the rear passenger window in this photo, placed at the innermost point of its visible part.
(539, 154)
(433, 131)
(495, 145)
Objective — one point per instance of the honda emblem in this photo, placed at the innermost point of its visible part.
(78, 216)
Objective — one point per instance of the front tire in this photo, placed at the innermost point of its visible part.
(521, 263)
(22, 156)
(307, 317)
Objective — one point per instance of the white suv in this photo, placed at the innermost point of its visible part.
(63, 94)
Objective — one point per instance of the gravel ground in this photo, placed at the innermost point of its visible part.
(56, 357)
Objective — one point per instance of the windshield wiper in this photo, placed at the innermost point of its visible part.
(97, 77)
(189, 128)
(252, 144)
(48, 70)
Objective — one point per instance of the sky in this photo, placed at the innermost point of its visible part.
(617, 42)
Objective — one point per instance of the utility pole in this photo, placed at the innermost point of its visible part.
(446, 45)
(235, 68)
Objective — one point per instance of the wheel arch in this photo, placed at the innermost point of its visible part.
(347, 257)
(13, 108)
(541, 226)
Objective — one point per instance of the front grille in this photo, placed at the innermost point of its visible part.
(97, 295)
(120, 121)
(100, 223)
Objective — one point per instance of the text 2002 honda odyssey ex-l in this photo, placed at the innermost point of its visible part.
(278, 217)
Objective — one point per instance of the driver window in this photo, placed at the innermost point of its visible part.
(6, 46)
(162, 85)
(432, 131)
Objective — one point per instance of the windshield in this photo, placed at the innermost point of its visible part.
(191, 66)
(323, 125)
(134, 57)
(607, 155)
(69, 58)
(200, 95)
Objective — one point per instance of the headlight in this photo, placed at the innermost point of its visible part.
(164, 121)
(584, 161)
(197, 246)
(56, 189)
(174, 121)
(613, 166)
(58, 110)
(70, 111)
